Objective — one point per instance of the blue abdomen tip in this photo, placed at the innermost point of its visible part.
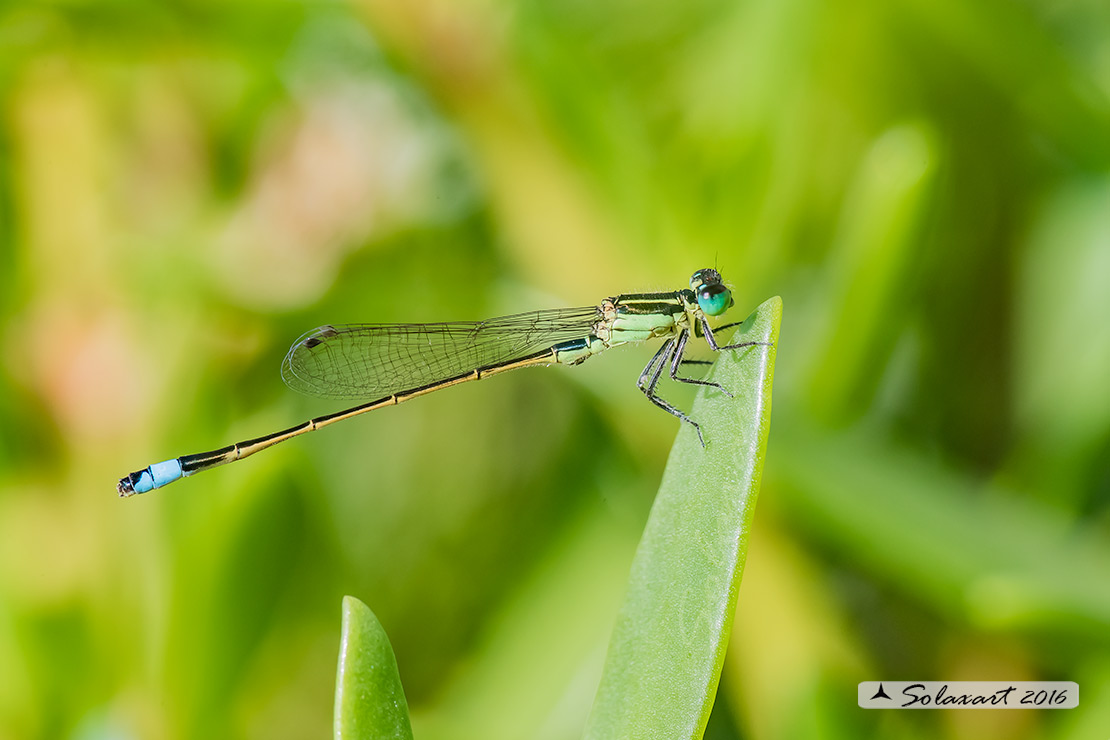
(160, 474)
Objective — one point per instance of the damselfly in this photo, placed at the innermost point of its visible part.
(391, 363)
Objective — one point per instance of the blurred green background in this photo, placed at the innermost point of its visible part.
(186, 187)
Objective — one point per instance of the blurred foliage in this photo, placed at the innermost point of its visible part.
(186, 187)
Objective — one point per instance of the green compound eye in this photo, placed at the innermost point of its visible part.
(714, 299)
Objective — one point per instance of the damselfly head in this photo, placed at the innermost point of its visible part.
(708, 276)
(712, 295)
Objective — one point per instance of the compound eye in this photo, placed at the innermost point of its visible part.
(714, 300)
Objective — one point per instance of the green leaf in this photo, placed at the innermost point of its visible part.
(669, 643)
(369, 701)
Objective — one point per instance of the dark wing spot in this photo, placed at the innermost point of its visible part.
(324, 332)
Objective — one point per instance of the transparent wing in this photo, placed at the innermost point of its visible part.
(366, 361)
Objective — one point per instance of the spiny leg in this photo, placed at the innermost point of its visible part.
(659, 362)
(677, 359)
(712, 340)
(651, 365)
(686, 362)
